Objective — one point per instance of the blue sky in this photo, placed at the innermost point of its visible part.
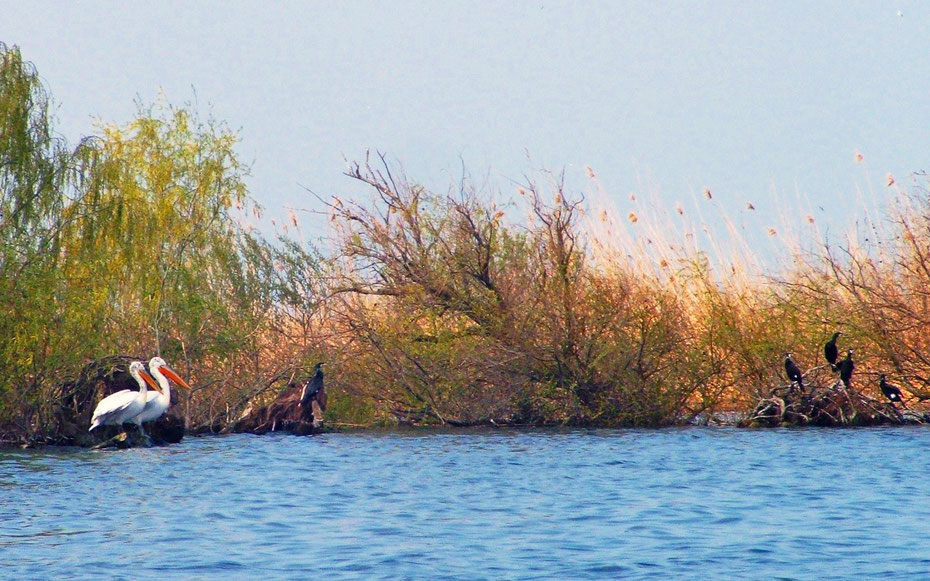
(759, 102)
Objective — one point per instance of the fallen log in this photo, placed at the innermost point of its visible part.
(827, 406)
(287, 413)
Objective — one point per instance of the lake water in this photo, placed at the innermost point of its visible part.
(701, 503)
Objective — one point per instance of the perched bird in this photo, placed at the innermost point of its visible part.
(794, 374)
(890, 391)
(313, 386)
(830, 351)
(157, 402)
(123, 406)
(846, 367)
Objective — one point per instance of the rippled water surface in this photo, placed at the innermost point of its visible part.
(691, 503)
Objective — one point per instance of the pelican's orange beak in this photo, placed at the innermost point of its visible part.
(174, 377)
(149, 380)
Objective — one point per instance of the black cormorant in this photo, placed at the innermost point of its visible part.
(890, 391)
(830, 351)
(313, 385)
(846, 367)
(794, 374)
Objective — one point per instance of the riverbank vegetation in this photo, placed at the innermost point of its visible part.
(456, 307)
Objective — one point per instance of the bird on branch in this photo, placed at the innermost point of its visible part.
(313, 386)
(890, 391)
(794, 374)
(830, 352)
(845, 368)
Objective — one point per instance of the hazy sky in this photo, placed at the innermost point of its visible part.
(744, 98)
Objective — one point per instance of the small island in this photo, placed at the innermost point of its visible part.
(529, 303)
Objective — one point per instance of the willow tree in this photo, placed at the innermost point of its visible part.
(39, 177)
(161, 237)
(129, 243)
(155, 225)
(157, 250)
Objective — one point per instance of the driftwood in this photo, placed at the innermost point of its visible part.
(827, 406)
(285, 414)
(77, 399)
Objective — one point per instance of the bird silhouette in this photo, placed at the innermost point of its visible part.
(830, 352)
(794, 374)
(845, 368)
(890, 391)
(313, 386)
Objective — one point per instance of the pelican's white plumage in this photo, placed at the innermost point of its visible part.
(157, 402)
(123, 406)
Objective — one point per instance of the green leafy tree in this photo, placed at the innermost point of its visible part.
(39, 177)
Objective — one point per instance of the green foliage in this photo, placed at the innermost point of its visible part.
(36, 173)
(130, 244)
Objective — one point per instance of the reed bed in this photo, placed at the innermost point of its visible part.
(538, 304)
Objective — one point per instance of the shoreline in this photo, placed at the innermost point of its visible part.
(735, 420)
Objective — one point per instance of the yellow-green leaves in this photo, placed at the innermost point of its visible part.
(125, 244)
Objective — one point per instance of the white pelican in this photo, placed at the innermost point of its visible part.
(157, 402)
(125, 405)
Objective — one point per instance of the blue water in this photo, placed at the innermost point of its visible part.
(697, 503)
